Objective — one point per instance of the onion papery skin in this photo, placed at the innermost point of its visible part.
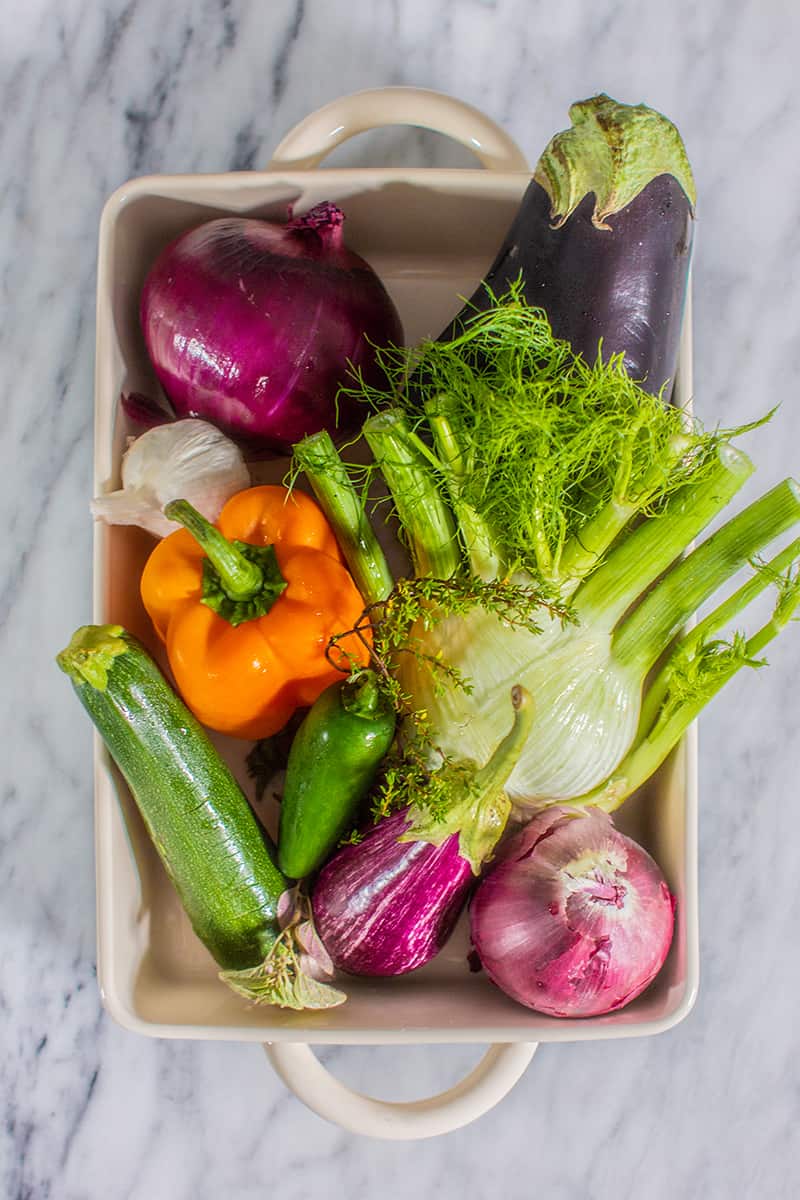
(385, 907)
(575, 919)
(251, 325)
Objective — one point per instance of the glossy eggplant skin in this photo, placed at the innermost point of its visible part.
(386, 907)
(624, 286)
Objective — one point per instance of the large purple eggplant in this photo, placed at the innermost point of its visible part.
(388, 904)
(602, 238)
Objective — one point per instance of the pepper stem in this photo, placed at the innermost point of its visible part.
(240, 579)
(361, 695)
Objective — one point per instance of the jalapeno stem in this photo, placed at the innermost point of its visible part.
(361, 696)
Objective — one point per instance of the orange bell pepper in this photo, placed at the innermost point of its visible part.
(246, 610)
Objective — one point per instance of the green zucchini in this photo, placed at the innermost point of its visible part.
(332, 764)
(212, 846)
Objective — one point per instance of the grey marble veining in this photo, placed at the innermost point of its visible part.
(94, 93)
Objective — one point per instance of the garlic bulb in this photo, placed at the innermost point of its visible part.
(189, 460)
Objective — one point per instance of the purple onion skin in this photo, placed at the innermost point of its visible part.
(575, 919)
(385, 907)
(250, 325)
(143, 411)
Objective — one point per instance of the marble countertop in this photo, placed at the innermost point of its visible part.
(94, 93)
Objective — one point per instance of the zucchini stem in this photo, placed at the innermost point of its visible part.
(90, 653)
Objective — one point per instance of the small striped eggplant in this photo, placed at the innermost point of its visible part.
(602, 239)
(386, 906)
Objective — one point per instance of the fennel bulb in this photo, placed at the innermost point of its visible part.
(587, 705)
(517, 470)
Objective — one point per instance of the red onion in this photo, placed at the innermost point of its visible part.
(250, 325)
(384, 907)
(575, 920)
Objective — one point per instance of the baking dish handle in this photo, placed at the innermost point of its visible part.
(307, 144)
(486, 1085)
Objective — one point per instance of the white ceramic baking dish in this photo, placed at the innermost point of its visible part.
(430, 234)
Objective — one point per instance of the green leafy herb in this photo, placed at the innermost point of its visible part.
(545, 441)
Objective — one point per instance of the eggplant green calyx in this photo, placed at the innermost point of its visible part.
(481, 813)
(240, 581)
(90, 653)
(613, 150)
